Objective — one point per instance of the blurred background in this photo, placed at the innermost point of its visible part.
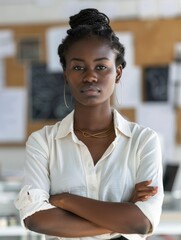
(31, 87)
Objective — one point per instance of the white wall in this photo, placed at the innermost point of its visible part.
(11, 158)
(33, 11)
(59, 10)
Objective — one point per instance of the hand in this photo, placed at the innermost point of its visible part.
(58, 199)
(143, 191)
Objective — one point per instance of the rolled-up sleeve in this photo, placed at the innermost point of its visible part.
(150, 168)
(34, 194)
(30, 201)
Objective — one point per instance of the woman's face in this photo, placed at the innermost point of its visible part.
(91, 72)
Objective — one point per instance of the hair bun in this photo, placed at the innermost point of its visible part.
(89, 16)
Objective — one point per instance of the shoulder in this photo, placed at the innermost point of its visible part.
(133, 129)
(49, 133)
(145, 139)
(45, 133)
(138, 129)
(144, 134)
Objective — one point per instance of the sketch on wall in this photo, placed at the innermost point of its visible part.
(29, 49)
(47, 94)
(155, 83)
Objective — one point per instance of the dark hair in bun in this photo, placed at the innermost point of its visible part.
(91, 23)
(88, 16)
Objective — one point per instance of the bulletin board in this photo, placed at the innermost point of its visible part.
(154, 41)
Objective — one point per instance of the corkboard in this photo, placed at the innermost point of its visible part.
(154, 39)
(178, 124)
(128, 113)
(154, 43)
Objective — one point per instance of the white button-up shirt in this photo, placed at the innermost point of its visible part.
(57, 161)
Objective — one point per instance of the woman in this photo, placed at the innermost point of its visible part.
(93, 174)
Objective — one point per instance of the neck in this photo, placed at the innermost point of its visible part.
(92, 119)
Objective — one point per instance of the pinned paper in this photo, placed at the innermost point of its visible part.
(13, 115)
(7, 44)
(54, 37)
(161, 118)
(175, 84)
(127, 39)
(128, 90)
(2, 79)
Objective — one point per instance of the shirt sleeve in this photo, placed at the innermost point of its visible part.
(34, 194)
(150, 168)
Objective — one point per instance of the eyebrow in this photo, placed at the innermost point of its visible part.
(96, 60)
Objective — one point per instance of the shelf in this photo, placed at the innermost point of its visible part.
(6, 197)
(16, 231)
(170, 223)
(13, 231)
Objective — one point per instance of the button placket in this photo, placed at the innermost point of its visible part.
(90, 173)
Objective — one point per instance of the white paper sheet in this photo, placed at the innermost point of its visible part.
(177, 50)
(54, 37)
(127, 39)
(12, 115)
(2, 79)
(128, 90)
(7, 44)
(175, 84)
(161, 118)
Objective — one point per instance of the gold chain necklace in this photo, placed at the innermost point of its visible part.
(101, 134)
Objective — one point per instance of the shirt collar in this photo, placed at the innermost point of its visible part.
(121, 124)
(66, 125)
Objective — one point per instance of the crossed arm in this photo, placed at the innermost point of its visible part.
(76, 216)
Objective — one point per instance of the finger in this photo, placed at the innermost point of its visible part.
(144, 183)
(145, 193)
(146, 188)
(142, 199)
(151, 190)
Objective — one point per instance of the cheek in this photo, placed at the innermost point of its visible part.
(73, 88)
(110, 86)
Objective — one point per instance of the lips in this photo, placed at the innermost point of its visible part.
(93, 89)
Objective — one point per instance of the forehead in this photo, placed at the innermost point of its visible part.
(90, 48)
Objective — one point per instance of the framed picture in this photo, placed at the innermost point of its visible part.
(46, 91)
(29, 49)
(155, 83)
(170, 173)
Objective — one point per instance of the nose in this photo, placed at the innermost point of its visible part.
(90, 76)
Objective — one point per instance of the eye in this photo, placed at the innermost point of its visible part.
(101, 67)
(78, 68)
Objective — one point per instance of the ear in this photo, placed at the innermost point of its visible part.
(118, 73)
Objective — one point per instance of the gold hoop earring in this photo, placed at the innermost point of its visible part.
(116, 100)
(119, 104)
(64, 96)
